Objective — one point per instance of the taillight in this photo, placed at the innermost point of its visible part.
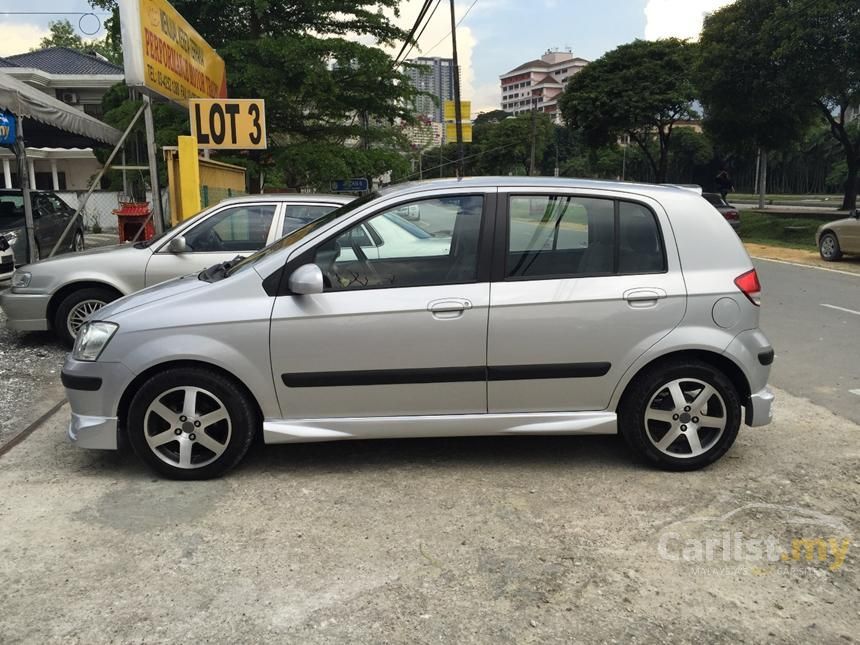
(750, 286)
(731, 214)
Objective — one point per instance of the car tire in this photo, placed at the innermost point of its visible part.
(828, 247)
(77, 305)
(78, 242)
(673, 434)
(182, 446)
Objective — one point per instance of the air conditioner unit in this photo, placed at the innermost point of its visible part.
(70, 97)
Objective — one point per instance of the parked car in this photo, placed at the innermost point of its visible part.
(50, 217)
(622, 308)
(838, 237)
(7, 261)
(60, 293)
(728, 211)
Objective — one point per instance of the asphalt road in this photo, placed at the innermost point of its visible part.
(812, 317)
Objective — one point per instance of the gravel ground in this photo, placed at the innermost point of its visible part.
(30, 376)
(490, 540)
(30, 368)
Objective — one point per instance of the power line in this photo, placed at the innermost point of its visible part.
(421, 33)
(446, 36)
(409, 38)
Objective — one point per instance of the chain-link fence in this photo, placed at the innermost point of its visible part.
(98, 213)
(211, 195)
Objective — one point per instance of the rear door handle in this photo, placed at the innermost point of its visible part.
(448, 307)
(644, 296)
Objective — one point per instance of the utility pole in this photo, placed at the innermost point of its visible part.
(157, 217)
(457, 111)
(533, 137)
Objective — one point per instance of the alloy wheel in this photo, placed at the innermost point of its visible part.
(79, 243)
(828, 247)
(685, 418)
(79, 314)
(187, 427)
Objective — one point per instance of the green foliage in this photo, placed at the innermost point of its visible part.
(776, 230)
(323, 92)
(640, 89)
(768, 65)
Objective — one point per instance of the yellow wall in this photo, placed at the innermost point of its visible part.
(218, 181)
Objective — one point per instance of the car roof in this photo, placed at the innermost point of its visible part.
(290, 197)
(539, 182)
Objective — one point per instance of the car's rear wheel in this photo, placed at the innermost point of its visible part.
(76, 307)
(78, 242)
(681, 415)
(829, 248)
(191, 423)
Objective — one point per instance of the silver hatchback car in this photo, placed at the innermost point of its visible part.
(514, 306)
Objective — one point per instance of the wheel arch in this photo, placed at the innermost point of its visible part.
(60, 294)
(135, 384)
(719, 361)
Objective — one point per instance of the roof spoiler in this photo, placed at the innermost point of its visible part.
(694, 188)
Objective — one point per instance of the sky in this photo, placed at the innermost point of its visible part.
(495, 36)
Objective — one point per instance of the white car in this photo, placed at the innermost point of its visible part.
(59, 293)
(7, 261)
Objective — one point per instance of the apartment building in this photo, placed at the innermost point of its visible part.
(539, 82)
(436, 79)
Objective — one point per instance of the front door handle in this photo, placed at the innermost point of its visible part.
(447, 308)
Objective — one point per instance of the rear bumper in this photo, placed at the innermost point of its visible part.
(25, 311)
(759, 411)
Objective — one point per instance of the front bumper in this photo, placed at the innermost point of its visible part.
(759, 411)
(99, 433)
(25, 311)
(94, 390)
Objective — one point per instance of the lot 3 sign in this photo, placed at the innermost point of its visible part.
(228, 123)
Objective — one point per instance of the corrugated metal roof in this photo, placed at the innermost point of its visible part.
(63, 60)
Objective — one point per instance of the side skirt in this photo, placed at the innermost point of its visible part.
(453, 425)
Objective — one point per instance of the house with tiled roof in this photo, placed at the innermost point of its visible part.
(77, 78)
(537, 84)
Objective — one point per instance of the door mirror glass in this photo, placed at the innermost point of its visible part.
(306, 280)
(177, 244)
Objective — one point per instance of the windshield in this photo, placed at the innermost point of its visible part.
(301, 233)
(11, 207)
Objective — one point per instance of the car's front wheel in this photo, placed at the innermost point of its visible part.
(76, 307)
(191, 423)
(681, 415)
(828, 247)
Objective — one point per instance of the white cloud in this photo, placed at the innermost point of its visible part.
(17, 38)
(678, 18)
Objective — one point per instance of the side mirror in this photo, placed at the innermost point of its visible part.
(306, 280)
(177, 245)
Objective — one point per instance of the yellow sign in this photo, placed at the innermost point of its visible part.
(451, 113)
(164, 54)
(451, 132)
(228, 123)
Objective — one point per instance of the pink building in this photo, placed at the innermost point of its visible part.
(540, 81)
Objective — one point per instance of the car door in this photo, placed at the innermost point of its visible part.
(849, 236)
(236, 229)
(389, 336)
(585, 284)
(45, 222)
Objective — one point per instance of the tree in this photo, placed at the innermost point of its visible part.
(797, 60)
(320, 87)
(817, 48)
(641, 89)
(63, 34)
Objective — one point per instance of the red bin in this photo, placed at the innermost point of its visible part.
(131, 216)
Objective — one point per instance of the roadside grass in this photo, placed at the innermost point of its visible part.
(778, 230)
(750, 197)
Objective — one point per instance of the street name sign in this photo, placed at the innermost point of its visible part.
(238, 124)
(356, 185)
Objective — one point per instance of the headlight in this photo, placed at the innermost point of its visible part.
(21, 279)
(92, 338)
(11, 237)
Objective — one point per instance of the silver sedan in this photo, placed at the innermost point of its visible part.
(60, 293)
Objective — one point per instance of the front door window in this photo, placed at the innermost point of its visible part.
(237, 229)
